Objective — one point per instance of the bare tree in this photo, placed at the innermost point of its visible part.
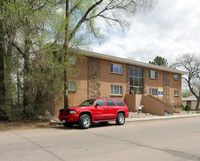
(113, 12)
(191, 63)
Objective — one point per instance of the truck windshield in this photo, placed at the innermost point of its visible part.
(88, 103)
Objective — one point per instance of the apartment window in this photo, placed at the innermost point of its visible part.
(116, 68)
(152, 91)
(176, 77)
(153, 74)
(136, 80)
(176, 106)
(116, 90)
(176, 93)
(189, 103)
(72, 60)
(72, 86)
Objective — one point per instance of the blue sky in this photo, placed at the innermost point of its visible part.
(170, 30)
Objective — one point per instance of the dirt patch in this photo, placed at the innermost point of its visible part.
(20, 125)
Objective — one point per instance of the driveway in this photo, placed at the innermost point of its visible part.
(158, 140)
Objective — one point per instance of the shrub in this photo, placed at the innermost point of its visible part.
(13, 112)
(5, 111)
(29, 112)
(187, 108)
(182, 107)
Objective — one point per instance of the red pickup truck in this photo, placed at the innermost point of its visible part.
(95, 110)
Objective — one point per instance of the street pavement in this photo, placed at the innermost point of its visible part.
(155, 140)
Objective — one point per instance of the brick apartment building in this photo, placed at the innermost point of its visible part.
(100, 75)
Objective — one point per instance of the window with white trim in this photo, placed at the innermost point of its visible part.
(153, 91)
(72, 86)
(116, 68)
(176, 77)
(116, 90)
(153, 74)
(176, 93)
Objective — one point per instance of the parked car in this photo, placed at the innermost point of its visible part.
(95, 110)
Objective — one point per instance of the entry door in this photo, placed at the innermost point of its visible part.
(100, 111)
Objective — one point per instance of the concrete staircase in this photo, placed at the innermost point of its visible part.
(165, 107)
(152, 105)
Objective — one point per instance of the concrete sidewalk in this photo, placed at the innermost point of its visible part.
(175, 116)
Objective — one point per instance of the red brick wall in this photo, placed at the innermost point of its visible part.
(175, 85)
(153, 83)
(107, 79)
(156, 83)
(75, 98)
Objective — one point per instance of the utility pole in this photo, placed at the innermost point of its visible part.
(66, 56)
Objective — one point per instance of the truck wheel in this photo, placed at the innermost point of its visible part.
(120, 119)
(84, 121)
(68, 124)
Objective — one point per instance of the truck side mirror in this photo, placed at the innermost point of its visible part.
(96, 105)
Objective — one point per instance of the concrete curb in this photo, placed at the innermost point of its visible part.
(55, 122)
(161, 117)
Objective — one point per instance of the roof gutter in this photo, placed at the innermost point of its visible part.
(128, 61)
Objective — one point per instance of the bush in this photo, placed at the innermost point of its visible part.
(187, 108)
(12, 112)
(29, 112)
(5, 111)
(182, 107)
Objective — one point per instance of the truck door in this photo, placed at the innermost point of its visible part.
(111, 109)
(100, 111)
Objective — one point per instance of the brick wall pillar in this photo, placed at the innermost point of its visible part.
(94, 77)
(166, 84)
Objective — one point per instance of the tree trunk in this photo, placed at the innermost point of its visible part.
(26, 84)
(27, 87)
(198, 102)
(197, 106)
(2, 77)
(8, 61)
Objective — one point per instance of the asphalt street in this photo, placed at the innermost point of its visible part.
(157, 140)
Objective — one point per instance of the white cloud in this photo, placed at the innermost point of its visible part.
(169, 30)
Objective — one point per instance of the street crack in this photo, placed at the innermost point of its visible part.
(38, 145)
(169, 151)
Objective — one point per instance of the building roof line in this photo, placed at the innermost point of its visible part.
(129, 61)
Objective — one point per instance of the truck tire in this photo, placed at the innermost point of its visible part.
(84, 121)
(120, 119)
